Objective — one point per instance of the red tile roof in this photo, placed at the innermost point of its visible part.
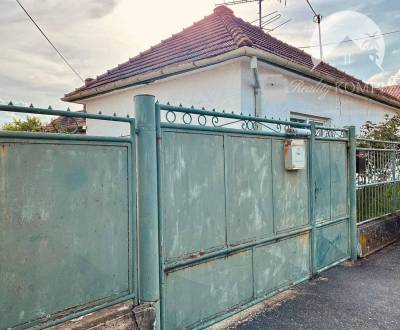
(214, 35)
(75, 125)
(392, 90)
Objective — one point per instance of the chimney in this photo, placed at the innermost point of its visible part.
(88, 81)
(223, 11)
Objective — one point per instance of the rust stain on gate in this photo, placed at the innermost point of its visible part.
(4, 150)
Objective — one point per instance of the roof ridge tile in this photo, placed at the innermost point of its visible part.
(216, 34)
(163, 41)
(238, 35)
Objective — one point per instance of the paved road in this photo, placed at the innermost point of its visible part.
(363, 296)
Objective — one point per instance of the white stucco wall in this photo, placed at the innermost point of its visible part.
(215, 87)
(229, 86)
(284, 92)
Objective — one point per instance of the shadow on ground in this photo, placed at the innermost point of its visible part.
(365, 295)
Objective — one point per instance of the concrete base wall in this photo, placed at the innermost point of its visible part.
(375, 235)
(124, 316)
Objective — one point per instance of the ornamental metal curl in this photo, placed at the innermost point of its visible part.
(250, 125)
(215, 121)
(187, 118)
(168, 117)
(202, 120)
(330, 133)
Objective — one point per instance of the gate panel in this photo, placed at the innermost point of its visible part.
(281, 264)
(201, 291)
(322, 181)
(249, 188)
(65, 227)
(332, 243)
(339, 179)
(194, 167)
(331, 203)
(331, 179)
(290, 192)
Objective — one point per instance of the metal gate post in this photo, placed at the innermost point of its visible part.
(393, 204)
(352, 193)
(149, 285)
(311, 181)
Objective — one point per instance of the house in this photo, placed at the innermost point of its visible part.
(223, 62)
(70, 125)
(393, 90)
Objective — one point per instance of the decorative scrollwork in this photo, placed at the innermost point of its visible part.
(223, 120)
(214, 121)
(186, 116)
(330, 133)
(170, 116)
(202, 120)
(249, 125)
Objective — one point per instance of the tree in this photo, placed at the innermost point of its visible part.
(30, 124)
(388, 130)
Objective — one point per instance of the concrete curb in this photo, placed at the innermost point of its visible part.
(124, 316)
(377, 234)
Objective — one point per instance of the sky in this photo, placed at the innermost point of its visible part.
(97, 35)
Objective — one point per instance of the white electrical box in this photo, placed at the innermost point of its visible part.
(295, 154)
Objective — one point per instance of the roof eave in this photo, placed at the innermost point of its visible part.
(243, 51)
(274, 59)
(152, 76)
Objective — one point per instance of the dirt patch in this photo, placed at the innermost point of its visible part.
(317, 280)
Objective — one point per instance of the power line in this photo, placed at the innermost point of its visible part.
(311, 7)
(350, 40)
(52, 45)
(317, 19)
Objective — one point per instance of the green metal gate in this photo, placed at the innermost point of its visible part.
(235, 227)
(67, 223)
(221, 223)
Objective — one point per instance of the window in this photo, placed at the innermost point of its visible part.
(298, 120)
(307, 119)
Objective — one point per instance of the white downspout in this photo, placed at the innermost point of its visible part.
(257, 86)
